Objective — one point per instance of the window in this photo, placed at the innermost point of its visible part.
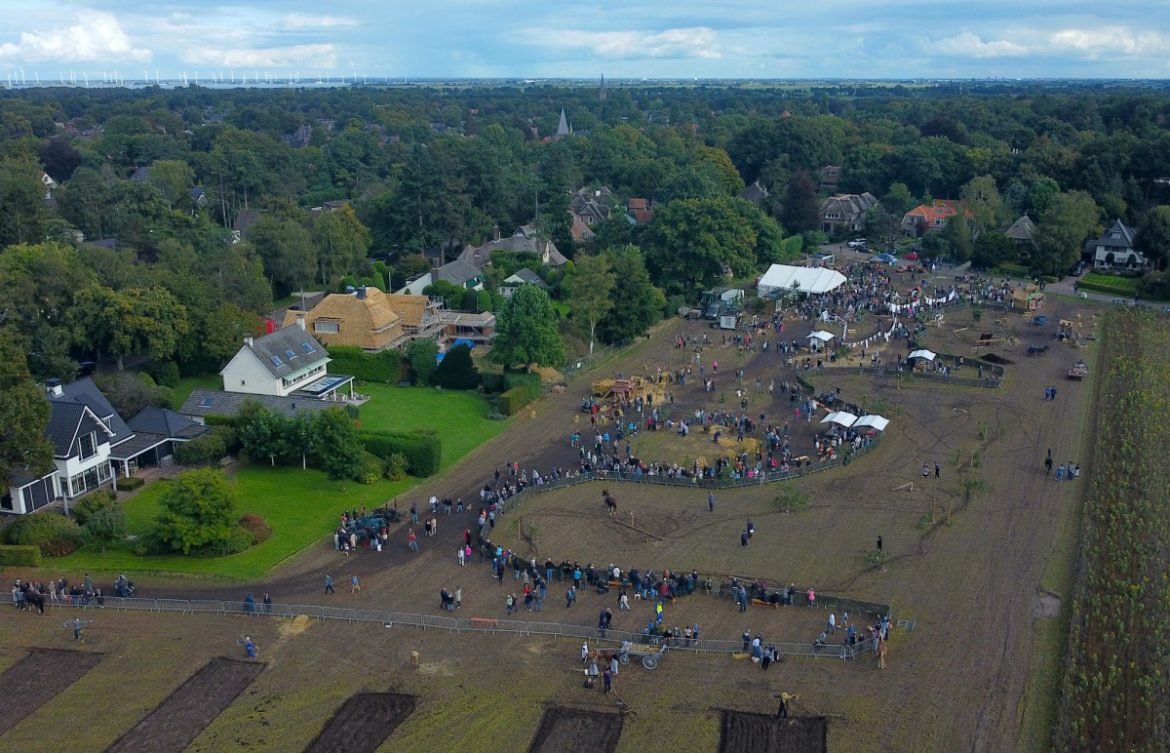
(308, 347)
(103, 472)
(322, 326)
(77, 485)
(276, 361)
(88, 444)
(289, 355)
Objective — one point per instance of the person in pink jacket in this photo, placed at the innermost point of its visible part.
(812, 596)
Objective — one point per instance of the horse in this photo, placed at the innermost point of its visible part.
(33, 598)
(610, 503)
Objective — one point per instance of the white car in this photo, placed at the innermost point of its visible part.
(857, 243)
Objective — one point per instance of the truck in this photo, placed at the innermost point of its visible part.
(728, 321)
(719, 301)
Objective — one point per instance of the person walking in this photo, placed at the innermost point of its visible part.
(459, 597)
(711, 502)
(412, 540)
(937, 470)
(743, 538)
(354, 586)
(329, 584)
(460, 556)
(1048, 465)
(607, 678)
(812, 597)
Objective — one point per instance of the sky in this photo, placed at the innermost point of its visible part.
(585, 39)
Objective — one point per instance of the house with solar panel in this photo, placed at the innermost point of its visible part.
(287, 363)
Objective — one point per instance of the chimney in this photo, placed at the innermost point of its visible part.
(53, 387)
(301, 322)
(496, 233)
(361, 293)
(248, 341)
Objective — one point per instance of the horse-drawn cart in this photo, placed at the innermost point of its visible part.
(650, 656)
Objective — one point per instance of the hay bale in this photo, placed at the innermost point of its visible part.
(414, 659)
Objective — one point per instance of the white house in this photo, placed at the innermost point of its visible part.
(83, 427)
(1116, 249)
(285, 362)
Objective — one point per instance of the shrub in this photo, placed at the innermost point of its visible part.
(207, 449)
(85, 507)
(165, 373)
(130, 484)
(17, 555)
(456, 371)
(237, 540)
(106, 526)
(55, 535)
(256, 527)
(396, 467)
(369, 470)
(422, 449)
(421, 356)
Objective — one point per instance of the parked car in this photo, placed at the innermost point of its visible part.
(912, 256)
(887, 258)
(857, 243)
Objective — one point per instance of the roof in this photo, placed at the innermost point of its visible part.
(525, 276)
(848, 206)
(924, 353)
(64, 422)
(166, 422)
(411, 309)
(563, 125)
(141, 174)
(456, 272)
(812, 280)
(821, 335)
(585, 195)
(840, 417)
(934, 214)
(1022, 229)
(245, 220)
(219, 403)
(85, 392)
(755, 192)
(366, 320)
(1124, 236)
(287, 351)
(521, 242)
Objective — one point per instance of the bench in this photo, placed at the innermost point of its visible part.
(484, 622)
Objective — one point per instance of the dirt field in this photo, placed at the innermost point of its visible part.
(362, 723)
(171, 726)
(759, 733)
(37, 678)
(965, 558)
(564, 730)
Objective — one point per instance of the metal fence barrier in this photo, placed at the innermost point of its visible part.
(389, 618)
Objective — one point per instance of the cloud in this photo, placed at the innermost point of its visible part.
(96, 36)
(304, 22)
(693, 42)
(309, 55)
(1107, 41)
(971, 45)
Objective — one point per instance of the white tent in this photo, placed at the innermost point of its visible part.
(821, 335)
(871, 422)
(840, 417)
(923, 354)
(782, 278)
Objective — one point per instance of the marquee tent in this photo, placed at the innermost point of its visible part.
(929, 356)
(821, 335)
(839, 417)
(779, 279)
(871, 422)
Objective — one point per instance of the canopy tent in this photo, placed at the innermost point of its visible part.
(784, 278)
(871, 422)
(821, 335)
(840, 417)
(929, 356)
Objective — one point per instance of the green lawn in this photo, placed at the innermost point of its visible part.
(301, 506)
(1110, 283)
(460, 418)
(188, 384)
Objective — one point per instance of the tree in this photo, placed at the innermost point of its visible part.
(173, 179)
(992, 249)
(981, 198)
(130, 392)
(526, 331)
(21, 202)
(420, 354)
(801, 206)
(637, 304)
(692, 241)
(24, 414)
(138, 320)
(1153, 236)
(898, 200)
(589, 293)
(290, 258)
(60, 158)
(339, 444)
(1062, 230)
(198, 511)
(223, 329)
(265, 434)
(342, 243)
(457, 371)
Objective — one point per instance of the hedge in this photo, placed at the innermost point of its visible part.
(530, 382)
(130, 484)
(385, 366)
(1100, 287)
(20, 555)
(209, 448)
(422, 449)
(514, 399)
(54, 535)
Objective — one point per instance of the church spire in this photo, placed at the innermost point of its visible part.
(563, 128)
